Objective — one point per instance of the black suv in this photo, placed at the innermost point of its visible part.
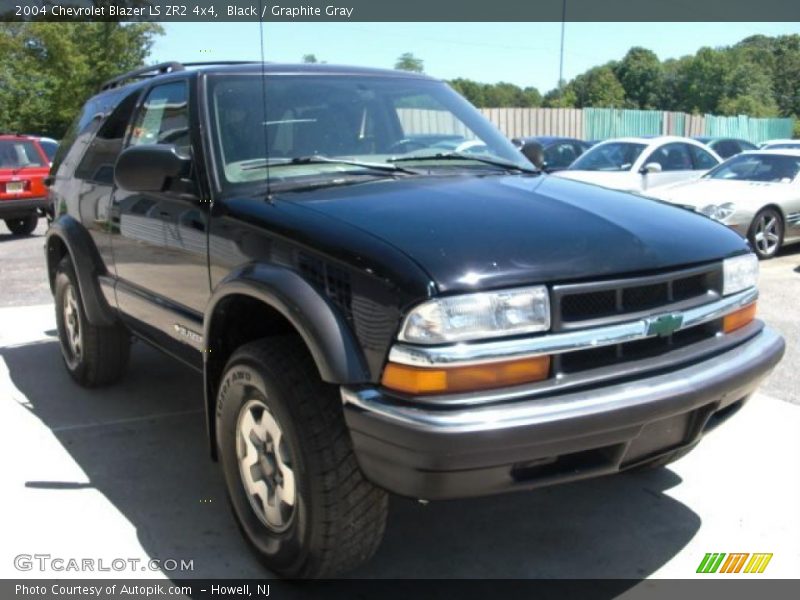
(382, 296)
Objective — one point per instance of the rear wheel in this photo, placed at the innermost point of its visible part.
(93, 355)
(23, 225)
(293, 482)
(766, 233)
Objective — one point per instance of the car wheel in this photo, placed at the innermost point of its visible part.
(93, 355)
(23, 225)
(292, 479)
(766, 233)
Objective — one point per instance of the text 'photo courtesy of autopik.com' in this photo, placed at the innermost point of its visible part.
(358, 299)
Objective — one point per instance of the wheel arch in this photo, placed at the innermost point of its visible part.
(263, 300)
(67, 237)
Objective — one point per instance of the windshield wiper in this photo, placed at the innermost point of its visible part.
(459, 156)
(317, 159)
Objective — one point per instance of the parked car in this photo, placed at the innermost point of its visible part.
(550, 153)
(780, 145)
(757, 194)
(369, 320)
(726, 147)
(23, 195)
(640, 163)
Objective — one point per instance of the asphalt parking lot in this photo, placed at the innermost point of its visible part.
(123, 473)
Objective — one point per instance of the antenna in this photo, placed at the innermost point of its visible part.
(264, 96)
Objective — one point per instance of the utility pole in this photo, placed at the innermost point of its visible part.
(561, 61)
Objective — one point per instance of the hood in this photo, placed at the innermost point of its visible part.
(497, 231)
(618, 180)
(744, 194)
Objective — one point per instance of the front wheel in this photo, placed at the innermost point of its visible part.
(766, 233)
(23, 225)
(293, 482)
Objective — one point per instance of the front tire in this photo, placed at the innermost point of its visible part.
(94, 355)
(766, 233)
(23, 225)
(293, 482)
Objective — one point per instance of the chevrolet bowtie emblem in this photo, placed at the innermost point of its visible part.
(664, 325)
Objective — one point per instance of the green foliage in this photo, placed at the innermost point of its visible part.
(759, 77)
(597, 87)
(408, 62)
(497, 95)
(48, 70)
(310, 58)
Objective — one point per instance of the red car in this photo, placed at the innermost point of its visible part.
(23, 195)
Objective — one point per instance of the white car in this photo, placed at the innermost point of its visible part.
(635, 164)
(756, 193)
(780, 145)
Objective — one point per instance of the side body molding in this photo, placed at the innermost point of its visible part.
(324, 330)
(88, 266)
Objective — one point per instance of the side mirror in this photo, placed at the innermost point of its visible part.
(534, 153)
(651, 167)
(150, 168)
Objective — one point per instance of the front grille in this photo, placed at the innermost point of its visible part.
(580, 306)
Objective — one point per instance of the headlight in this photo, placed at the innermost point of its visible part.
(739, 273)
(477, 316)
(719, 213)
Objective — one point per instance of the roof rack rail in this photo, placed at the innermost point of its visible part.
(211, 63)
(151, 71)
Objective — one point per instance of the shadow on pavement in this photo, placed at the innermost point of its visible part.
(142, 445)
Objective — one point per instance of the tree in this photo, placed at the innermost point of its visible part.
(408, 62)
(48, 70)
(642, 77)
(597, 87)
(310, 58)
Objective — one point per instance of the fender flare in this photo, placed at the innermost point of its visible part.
(88, 266)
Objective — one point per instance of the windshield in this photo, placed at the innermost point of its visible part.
(18, 154)
(364, 119)
(49, 148)
(613, 156)
(758, 167)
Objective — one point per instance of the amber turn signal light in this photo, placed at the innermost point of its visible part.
(418, 380)
(740, 318)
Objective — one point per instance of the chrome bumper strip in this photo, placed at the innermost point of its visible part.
(558, 343)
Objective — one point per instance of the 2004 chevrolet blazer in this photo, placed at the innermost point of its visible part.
(383, 296)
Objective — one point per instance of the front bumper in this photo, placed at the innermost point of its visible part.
(425, 451)
(14, 209)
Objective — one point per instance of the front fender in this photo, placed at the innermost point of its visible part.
(326, 333)
(67, 231)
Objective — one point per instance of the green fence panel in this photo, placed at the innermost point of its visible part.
(604, 123)
(747, 128)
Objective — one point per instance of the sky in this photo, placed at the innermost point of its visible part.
(526, 54)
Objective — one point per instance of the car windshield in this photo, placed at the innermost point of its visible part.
(758, 167)
(18, 154)
(49, 148)
(613, 156)
(371, 120)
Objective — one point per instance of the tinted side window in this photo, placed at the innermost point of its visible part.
(164, 117)
(672, 157)
(726, 148)
(702, 159)
(560, 156)
(97, 164)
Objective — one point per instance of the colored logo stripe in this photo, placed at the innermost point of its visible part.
(733, 564)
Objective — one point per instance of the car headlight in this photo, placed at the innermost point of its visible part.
(719, 212)
(478, 315)
(739, 273)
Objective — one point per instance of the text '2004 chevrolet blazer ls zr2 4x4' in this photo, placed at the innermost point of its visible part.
(383, 296)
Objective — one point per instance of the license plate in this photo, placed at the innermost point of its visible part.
(15, 187)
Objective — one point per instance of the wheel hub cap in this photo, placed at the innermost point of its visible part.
(767, 235)
(72, 322)
(265, 465)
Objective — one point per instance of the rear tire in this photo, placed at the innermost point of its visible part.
(23, 225)
(94, 355)
(293, 482)
(766, 233)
